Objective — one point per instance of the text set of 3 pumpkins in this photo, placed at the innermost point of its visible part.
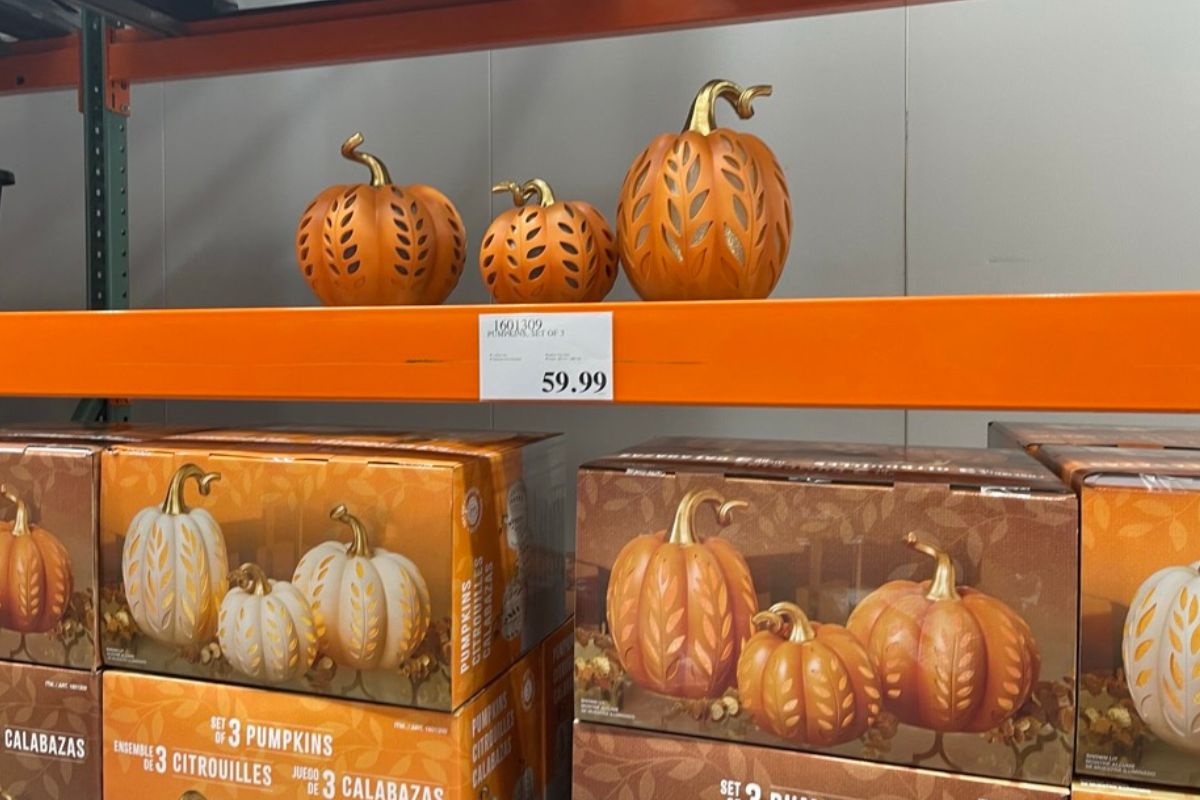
(683, 615)
(703, 215)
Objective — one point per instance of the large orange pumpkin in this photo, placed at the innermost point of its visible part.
(35, 573)
(705, 214)
(807, 682)
(554, 252)
(952, 658)
(679, 607)
(379, 244)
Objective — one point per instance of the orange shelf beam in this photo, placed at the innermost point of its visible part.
(368, 32)
(40, 65)
(379, 29)
(1114, 352)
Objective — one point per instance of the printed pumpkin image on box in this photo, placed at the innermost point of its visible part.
(48, 516)
(384, 573)
(1139, 698)
(906, 605)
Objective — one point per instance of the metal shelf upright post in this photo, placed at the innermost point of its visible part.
(105, 106)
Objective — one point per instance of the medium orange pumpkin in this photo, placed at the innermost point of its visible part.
(952, 658)
(679, 607)
(807, 682)
(705, 214)
(379, 244)
(35, 573)
(554, 252)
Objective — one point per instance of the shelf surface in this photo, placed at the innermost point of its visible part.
(366, 30)
(1110, 352)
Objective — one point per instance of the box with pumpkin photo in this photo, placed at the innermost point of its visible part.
(387, 574)
(1139, 641)
(906, 605)
(49, 517)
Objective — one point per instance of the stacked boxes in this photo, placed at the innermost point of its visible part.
(50, 608)
(913, 606)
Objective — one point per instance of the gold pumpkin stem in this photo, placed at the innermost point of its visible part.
(683, 531)
(801, 629)
(173, 503)
(942, 585)
(379, 173)
(21, 520)
(513, 188)
(541, 189)
(703, 117)
(251, 578)
(360, 546)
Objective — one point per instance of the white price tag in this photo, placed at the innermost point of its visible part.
(563, 356)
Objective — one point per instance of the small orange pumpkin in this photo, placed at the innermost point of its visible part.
(807, 682)
(35, 573)
(705, 214)
(952, 658)
(380, 244)
(679, 607)
(554, 252)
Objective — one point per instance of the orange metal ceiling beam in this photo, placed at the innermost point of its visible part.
(1116, 352)
(40, 65)
(284, 39)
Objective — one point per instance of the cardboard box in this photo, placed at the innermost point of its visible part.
(1087, 790)
(559, 669)
(49, 732)
(1139, 688)
(49, 608)
(167, 736)
(48, 596)
(614, 762)
(1031, 436)
(440, 567)
(696, 543)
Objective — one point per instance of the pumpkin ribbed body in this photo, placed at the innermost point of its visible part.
(822, 691)
(387, 245)
(963, 664)
(35, 579)
(371, 612)
(704, 217)
(270, 637)
(679, 613)
(174, 568)
(561, 253)
(1161, 653)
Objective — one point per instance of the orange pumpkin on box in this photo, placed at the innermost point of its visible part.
(705, 214)
(559, 251)
(380, 244)
(35, 573)
(679, 607)
(807, 682)
(952, 658)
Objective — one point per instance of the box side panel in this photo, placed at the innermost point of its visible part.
(49, 732)
(48, 606)
(654, 765)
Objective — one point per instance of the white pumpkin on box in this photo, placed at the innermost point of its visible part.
(1161, 651)
(267, 630)
(371, 606)
(174, 564)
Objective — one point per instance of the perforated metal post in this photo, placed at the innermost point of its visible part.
(105, 110)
